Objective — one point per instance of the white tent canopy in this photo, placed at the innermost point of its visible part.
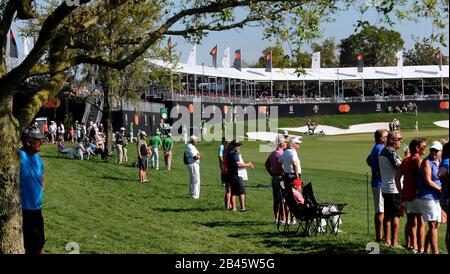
(325, 74)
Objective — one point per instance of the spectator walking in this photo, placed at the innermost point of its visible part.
(155, 143)
(120, 143)
(429, 193)
(168, 146)
(409, 170)
(142, 152)
(380, 137)
(275, 170)
(390, 161)
(32, 180)
(192, 160)
(236, 170)
(52, 131)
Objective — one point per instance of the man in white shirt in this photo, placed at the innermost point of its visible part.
(192, 161)
(290, 161)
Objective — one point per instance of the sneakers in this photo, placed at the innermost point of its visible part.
(243, 210)
(233, 210)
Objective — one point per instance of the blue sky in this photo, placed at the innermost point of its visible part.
(250, 40)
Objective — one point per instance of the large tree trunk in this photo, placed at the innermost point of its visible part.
(11, 237)
(107, 93)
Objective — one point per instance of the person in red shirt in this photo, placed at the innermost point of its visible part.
(409, 170)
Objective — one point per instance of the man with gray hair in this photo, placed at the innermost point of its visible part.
(275, 169)
(390, 161)
(290, 161)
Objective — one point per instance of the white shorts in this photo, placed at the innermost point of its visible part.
(378, 200)
(413, 207)
(431, 210)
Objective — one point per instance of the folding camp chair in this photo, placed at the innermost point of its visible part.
(328, 211)
(306, 215)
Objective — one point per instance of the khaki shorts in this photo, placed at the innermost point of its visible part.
(378, 200)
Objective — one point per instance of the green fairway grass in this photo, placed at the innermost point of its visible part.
(102, 206)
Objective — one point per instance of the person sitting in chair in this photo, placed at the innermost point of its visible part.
(297, 191)
(63, 150)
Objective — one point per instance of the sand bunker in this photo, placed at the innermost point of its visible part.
(443, 123)
(329, 130)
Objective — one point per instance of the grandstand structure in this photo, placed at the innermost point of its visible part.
(288, 86)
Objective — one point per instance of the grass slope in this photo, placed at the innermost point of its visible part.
(103, 208)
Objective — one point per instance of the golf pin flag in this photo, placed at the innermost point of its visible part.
(269, 62)
(360, 62)
(237, 60)
(13, 51)
(439, 58)
(214, 56)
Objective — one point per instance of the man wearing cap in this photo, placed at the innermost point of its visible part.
(155, 143)
(192, 160)
(390, 161)
(234, 163)
(167, 146)
(275, 169)
(120, 146)
(290, 161)
(31, 188)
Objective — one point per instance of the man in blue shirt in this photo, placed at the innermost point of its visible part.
(372, 160)
(31, 186)
(234, 163)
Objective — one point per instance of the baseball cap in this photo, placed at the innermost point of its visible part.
(297, 182)
(194, 138)
(34, 133)
(436, 145)
(236, 143)
(143, 133)
(122, 128)
(296, 140)
(285, 132)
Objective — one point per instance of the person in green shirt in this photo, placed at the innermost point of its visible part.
(155, 143)
(167, 146)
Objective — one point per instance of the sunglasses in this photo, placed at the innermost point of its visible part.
(398, 139)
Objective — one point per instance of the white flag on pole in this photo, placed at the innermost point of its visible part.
(26, 46)
(226, 60)
(399, 56)
(315, 64)
(192, 59)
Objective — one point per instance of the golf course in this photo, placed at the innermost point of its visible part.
(103, 208)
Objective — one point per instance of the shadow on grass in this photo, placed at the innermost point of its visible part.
(231, 223)
(196, 209)
(319, 244)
